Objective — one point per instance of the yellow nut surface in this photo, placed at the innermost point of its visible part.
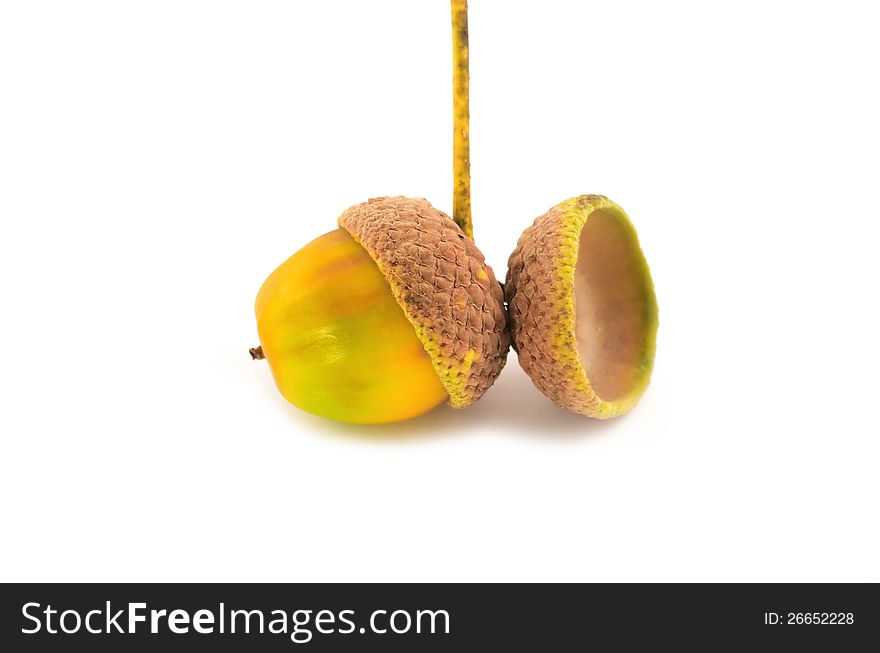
(337, 341)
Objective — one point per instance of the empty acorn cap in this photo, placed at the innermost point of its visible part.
(442, 282)
(582, 307)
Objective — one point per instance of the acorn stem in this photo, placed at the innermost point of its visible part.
(256, 353)
(461, 165)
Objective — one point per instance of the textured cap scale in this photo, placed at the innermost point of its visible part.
(444, 286)
(541, 296)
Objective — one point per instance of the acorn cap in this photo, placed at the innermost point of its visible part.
(442, 283)
(583, 314)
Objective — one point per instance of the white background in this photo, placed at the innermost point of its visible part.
(159, 159)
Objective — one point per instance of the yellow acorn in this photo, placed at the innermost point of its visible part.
(385, 318)
(583, 314)
(396, 311)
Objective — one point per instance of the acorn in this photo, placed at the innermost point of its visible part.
(396, 311)
(583, 313)
(385, 318)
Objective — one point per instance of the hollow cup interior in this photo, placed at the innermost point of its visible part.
(614, 305)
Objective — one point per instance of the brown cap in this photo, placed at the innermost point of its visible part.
(444, 286)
